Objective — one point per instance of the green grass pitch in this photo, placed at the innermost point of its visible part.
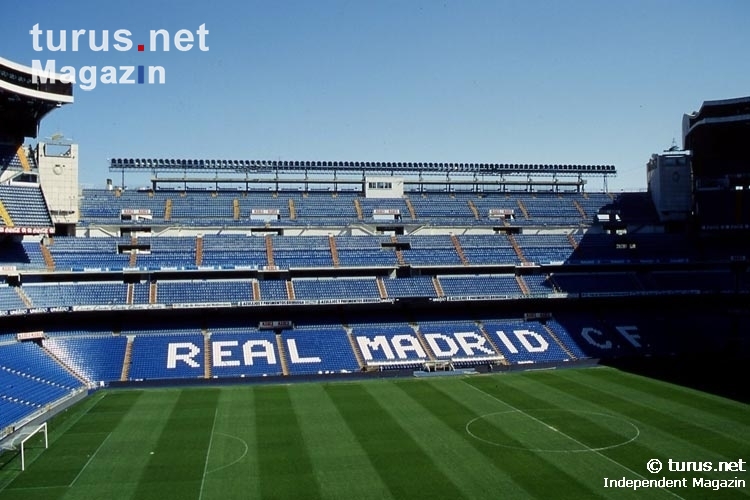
(545, 434)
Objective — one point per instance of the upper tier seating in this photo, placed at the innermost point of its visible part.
(545, 248)
(417, 286)
(69, 252)
(9, 299)
(196, 208)
(70, 294)
(488, 249)
(480, 286)
(336, 289)
(22, 255)
(175, 292)
(9, 157)
(25, 206)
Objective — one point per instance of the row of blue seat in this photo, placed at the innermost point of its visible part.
(98, 206)
(466, 286)
(304, 251)
(25, 205)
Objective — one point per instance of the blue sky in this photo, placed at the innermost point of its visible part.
(457, 81)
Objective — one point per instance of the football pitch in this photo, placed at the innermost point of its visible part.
(544, 434)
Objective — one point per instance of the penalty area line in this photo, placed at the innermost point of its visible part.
(89, 461)
(532, 417)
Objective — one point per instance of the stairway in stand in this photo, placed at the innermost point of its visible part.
(334, 250)
(522, 285)
(199, 250)
(438, 287)
(517, 248)
(459, 250)
(355, 347)
(486, 334)
(269, 251)
(48, 260)
(282, 355)
(206, 353)
(559, 342)
(125, 373)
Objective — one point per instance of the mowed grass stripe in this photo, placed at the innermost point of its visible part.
(59, 466)
(634, 455)
(604, 465)
(590, 425)
(716, 413)
(656, 439)
(175, 470)
(283, 460)
(533, 474)
(402, 438)
(595, 425)
(472, 474)
(404, 467)
(665, 417)
(116, 470)
(439, 428)
(234, 448)
(342, 468)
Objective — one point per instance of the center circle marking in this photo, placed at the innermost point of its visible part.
(532, 415)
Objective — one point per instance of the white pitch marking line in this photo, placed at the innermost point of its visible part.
(610, 447)
(89, 460)
(244, 453)
(532, 417)
(208, 450)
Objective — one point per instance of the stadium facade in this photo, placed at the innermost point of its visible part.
(227, 269)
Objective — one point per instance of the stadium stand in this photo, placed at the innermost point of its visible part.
(174, 292)
(478, 286)
(9, 299)
(461, 342)
(30, 380)
(149, 350)
(95, 358)
(336, 289)
(206, 208)
(278, 280)
(329, 346)
(417, 286)
(525, 343)
(244, 352)
(389, 345)
(23, 206)
(9, 158)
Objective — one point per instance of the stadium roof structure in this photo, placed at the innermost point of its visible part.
(717, 135)
(25, 100)
(421, 174)
(375, 167)
(714, 111)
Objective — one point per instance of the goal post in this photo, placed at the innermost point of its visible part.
(438, 366)
(25, 435)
